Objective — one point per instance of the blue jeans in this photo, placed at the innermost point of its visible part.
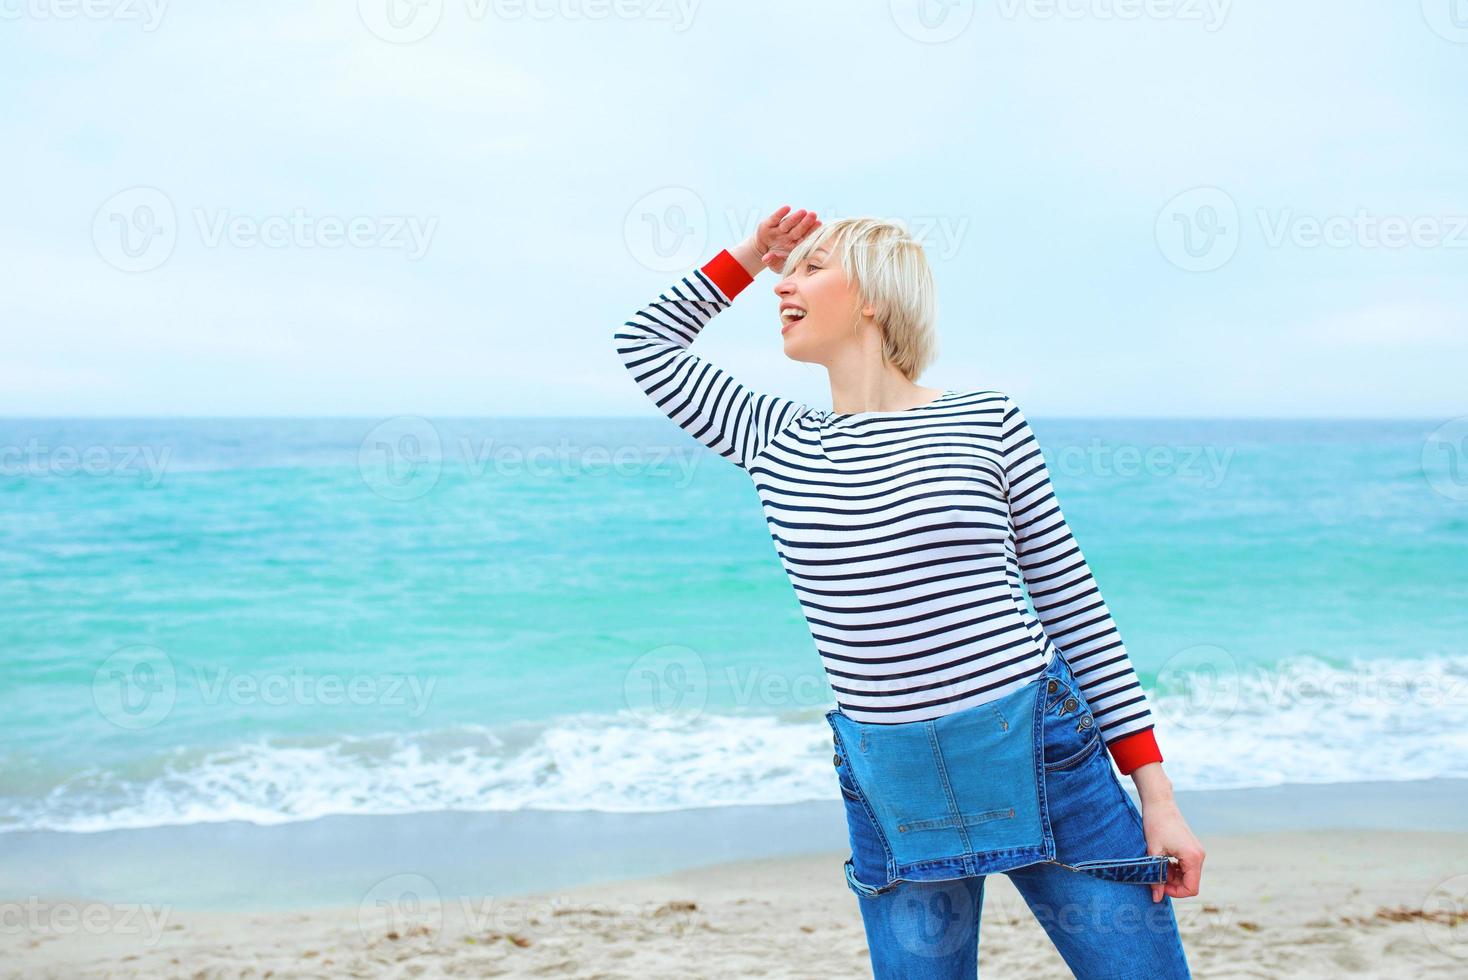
(929, 930)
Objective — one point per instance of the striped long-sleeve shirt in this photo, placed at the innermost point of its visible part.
(906, 535)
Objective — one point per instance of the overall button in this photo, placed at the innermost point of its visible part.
(1050, 688)
(1071, 704)
(1086, 721)
(836, 760)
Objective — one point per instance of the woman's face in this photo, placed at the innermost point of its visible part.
(820, 288)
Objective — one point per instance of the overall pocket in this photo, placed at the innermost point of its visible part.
(1071, 737)
(867, 868)
(1097, 828)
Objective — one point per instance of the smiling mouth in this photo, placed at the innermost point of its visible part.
(790, 316)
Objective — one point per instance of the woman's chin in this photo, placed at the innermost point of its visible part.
(797, 351)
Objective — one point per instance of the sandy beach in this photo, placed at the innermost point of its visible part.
(1299, 902)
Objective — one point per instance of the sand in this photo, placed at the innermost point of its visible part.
(1300, 904)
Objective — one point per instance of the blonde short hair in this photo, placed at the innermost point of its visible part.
(890, 269)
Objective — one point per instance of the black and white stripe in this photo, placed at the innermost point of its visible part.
(909, 537)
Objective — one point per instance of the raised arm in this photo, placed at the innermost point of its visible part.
(1068, 600)
(704, 400)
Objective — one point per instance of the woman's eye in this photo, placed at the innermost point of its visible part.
(810, 266)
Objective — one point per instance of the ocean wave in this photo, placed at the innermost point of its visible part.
(1304, 720)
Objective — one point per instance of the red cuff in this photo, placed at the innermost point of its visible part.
(1134, 750)
(726, 272)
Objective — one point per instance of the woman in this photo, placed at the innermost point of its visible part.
(911, 522)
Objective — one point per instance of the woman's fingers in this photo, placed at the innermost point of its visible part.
(781, 232)
(791, 221)
(1158, 890)
(1192, 868)
(791, 234)
(1175, 880)
(771, 225)
(777, 221)
(1184, 877)
(786, 219)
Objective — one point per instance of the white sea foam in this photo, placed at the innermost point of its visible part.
(1306, 721)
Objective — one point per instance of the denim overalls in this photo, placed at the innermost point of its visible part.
(964, 794)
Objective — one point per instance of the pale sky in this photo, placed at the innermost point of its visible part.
(1133, 207)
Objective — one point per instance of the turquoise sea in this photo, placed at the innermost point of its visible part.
(274, 620)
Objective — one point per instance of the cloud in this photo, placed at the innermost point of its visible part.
(1390, 324)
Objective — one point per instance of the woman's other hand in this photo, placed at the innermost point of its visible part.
(1167, 833)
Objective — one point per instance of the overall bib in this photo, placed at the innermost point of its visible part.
(965, 794)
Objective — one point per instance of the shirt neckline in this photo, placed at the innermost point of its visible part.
(947, 393)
